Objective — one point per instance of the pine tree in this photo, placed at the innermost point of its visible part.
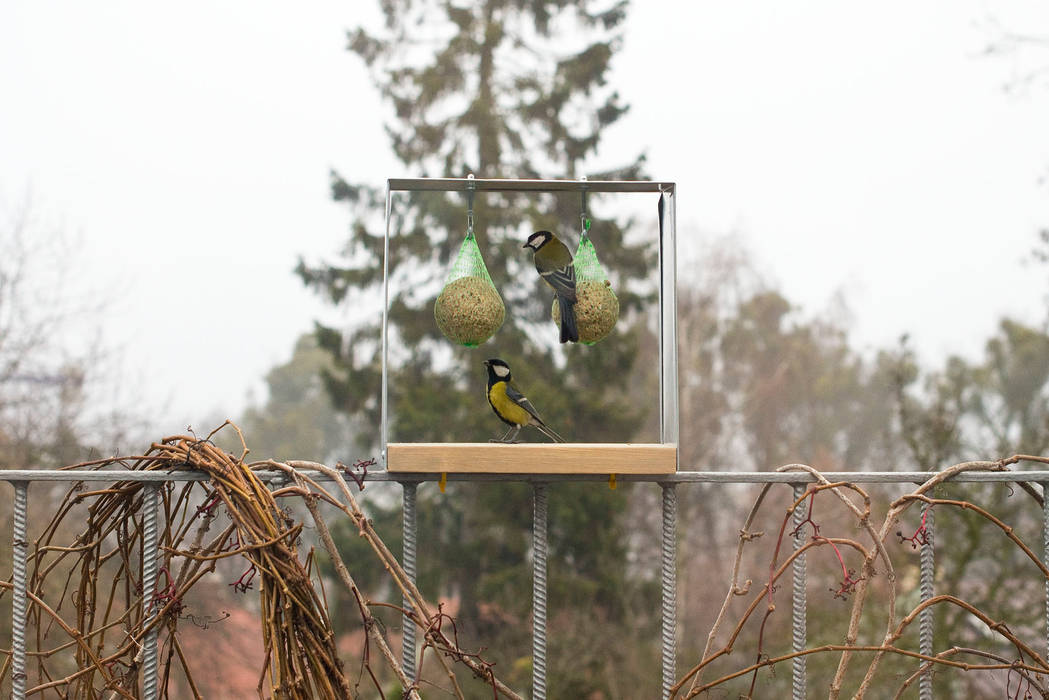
(503, 94)
(497, 89)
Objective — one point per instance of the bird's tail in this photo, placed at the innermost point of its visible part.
(569, 330)
(549, 432)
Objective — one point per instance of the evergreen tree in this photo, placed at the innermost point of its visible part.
(499, 89)
(502, 95)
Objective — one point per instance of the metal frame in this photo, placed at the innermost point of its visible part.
(668, 376)
(21, 479)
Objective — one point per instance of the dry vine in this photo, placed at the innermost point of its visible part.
(95, 649)
(1028, 667)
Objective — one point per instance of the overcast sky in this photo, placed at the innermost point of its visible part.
(870, 150)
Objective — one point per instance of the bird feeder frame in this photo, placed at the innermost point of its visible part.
(570, 458)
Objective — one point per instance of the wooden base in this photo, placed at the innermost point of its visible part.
(497, 458)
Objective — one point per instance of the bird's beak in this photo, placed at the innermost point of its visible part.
(486, 363)
(527, 245)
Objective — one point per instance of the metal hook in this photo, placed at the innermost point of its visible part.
(584, 220)
(471, 188)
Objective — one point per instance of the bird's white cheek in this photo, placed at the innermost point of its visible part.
(501, 371)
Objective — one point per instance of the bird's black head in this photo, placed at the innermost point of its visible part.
(497, 370)
(538, 239)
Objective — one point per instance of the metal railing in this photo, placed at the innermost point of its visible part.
(154, 480)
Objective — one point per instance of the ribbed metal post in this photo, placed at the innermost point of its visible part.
(799, 616)
(539, 554)
(925, 621)
(669, 587)
(18, 605)
(149, 586)
(1045, 555)
(408, 658)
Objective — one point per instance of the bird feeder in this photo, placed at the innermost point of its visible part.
(597, 311)
(597, 307)
(469, 310)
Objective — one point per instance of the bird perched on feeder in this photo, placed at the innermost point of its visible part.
(553, 262)
(512, 407)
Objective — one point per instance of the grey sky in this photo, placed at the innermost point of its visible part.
(869, 149)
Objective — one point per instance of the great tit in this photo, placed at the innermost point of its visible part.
(553, 262)
(511, 405)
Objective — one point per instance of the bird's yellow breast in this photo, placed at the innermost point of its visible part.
(505, 407)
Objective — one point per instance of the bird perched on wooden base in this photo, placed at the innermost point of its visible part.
(512, 407)
(553, 262)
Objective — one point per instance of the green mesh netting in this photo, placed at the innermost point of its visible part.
(597, 307)
(469, 310)
(587, 266)
(469, 263)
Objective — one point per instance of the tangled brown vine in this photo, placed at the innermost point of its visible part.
(90, 613)
(95, 649)
(1029, 666)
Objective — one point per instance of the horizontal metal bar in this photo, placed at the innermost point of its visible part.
(706, 477)
(101, 475)
(722, 477)
(450, 184)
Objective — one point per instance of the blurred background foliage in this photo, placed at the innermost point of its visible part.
(763, 383)
(518, 89)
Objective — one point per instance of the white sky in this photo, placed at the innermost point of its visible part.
(870, 150)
